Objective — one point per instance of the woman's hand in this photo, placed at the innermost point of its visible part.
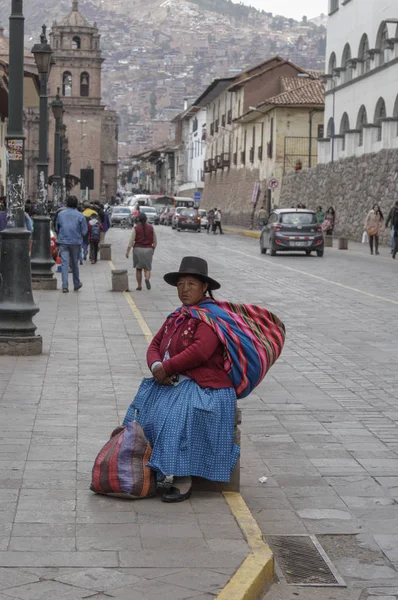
(160, 375)
(127, 254)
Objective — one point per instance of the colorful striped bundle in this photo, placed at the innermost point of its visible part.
(252, 336)
(120, 469)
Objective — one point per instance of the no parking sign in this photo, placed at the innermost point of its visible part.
(273, 183)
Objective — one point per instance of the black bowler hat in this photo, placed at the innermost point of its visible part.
(197, 267)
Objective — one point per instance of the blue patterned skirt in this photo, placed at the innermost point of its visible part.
(190, 429)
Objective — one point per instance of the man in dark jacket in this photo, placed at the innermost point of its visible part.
(393, 219)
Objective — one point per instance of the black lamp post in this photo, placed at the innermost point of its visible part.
(17, 308)
(41, 260)
(58, 110)
(63, 162)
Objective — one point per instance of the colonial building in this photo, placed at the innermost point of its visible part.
(260, 124)
(191, 150)
(91, 128)
(31, 117)
(361, 112)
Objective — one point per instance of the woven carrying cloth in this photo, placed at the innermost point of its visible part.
(120, 468)
(252, 336)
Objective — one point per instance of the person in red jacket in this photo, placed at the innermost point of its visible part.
(187, 410)
(143, 240)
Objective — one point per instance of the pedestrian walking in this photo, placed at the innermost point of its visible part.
(320, 215)
(94, 236)
(210, 220)
(262, 216)
(143, 241)
(88, 212)
(71, 226)
(393, 220)
(187, 410)
(217, 221)
(390, 220)
(373, 223)
(329, 222)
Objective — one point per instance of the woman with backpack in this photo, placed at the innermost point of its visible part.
(143, 241)
(94, 236)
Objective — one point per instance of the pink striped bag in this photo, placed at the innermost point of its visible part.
(120, 469)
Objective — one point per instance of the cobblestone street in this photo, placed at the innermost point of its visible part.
(322, 428)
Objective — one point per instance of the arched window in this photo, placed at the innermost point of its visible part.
(67, 84)
(84, 84)
(332, 63)
(382, 44)
(362, 120)
(76, 43)
(380, 114)
(344, 127)
(346, 57)
(363, 54)
(329, 131)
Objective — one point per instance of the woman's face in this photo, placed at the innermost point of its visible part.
(190, 290)
(376, 207)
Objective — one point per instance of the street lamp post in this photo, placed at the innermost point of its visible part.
(58, 110)
(63, 162)
(17, 308)
(41, 260)
(82, 122)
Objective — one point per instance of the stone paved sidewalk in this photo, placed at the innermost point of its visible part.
(58, 540)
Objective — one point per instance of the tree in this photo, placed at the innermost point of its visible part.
(304, 19)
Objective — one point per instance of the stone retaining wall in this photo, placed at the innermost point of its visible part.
(351, 186)
(231, 190)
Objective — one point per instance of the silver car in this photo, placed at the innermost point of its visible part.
(121, 216)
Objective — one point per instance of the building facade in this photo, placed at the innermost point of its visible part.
(260, 125)
(191, 151)
(361, 112)
(92, 130)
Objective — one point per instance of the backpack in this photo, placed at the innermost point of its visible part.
(95, 231)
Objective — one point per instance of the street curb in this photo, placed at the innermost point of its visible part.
(257, 570)
(245, 232)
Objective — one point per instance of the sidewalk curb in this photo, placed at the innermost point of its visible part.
(250, 580)
(245, 232)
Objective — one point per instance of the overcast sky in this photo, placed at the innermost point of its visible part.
(291, 8)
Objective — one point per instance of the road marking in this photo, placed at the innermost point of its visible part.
(257, 569)
(324, 279)
(136, 311)
(138, 315)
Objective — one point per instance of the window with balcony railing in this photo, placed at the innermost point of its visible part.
(251, 155)
(229, 119)
(223, 121)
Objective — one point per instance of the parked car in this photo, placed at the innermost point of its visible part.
(188, 218)
(151, 214)
(292, 230)
(174, 218)
(121, 215)
(203, 218)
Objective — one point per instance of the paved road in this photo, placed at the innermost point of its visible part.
(323, 427)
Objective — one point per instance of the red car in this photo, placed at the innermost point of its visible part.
(188, 218)
(53, 241)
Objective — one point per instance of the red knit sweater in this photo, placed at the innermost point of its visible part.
(195, 351)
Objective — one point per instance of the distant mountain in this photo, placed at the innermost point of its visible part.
(159, 52)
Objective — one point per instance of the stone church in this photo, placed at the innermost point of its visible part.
(92, 130)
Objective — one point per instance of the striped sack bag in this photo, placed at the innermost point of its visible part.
(120, 469)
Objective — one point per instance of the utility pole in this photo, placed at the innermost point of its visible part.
(58, 111)
(17, 308)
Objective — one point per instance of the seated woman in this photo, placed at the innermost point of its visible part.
(199, 361)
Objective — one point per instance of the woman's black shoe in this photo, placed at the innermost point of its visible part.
(173, 494)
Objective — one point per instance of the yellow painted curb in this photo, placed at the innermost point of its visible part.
(257, 570)
(245, 232)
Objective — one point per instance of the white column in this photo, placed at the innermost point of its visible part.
(351, 142)
(324, 150)
(369, 137)
(389, 130)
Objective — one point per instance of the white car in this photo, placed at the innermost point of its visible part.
(203, 218)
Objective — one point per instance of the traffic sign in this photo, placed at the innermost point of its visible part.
(197, 197)
(273, 183)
